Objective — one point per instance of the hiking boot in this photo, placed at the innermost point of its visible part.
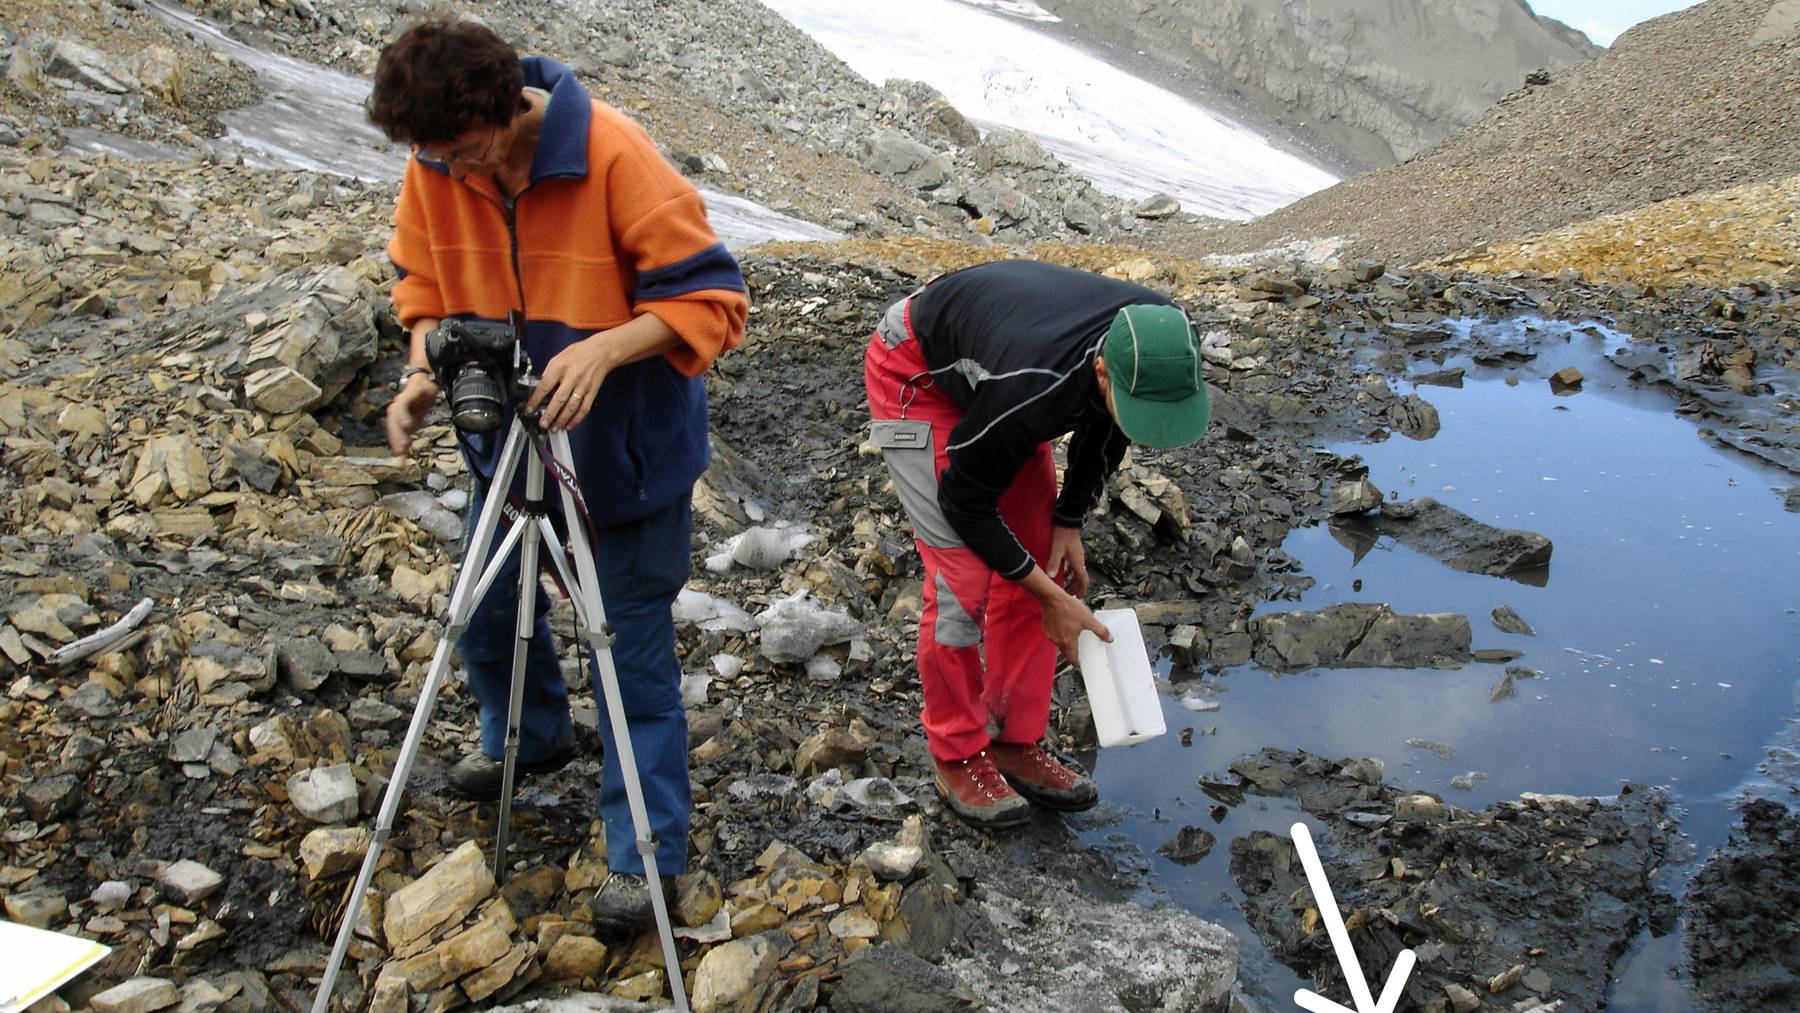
(477, 776)
(1041, 778)
(623, 904)
(975, 790)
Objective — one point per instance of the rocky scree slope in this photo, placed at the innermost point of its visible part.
(1364, 84)
(761, 110)
(1698, 100)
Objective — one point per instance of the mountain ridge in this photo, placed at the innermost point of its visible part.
(1357, 83)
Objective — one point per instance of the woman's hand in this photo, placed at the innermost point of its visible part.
(1068, 560)
(571, 381)
(406, 412)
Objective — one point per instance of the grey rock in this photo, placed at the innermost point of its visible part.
(912, 163)
(1462, 542)
(51, 798)
(92, 700)
(187, 882)
(365, 713)
(82, 753)
(1229, 649)
(1159, 205)
(361, 665)
(304, 663)
(1439, 640)
(1441, 750)
(193, 745)
(72, 61)
(996, 199)
(1361, 635)
(754, 85)
(324, 794)
(1363, 770)
(888, 979)
(924, 107)
(254, 465)
(111, 895)
(137, 995)
(1006, 148)
(1358, 497)
(1415, 417)
(1508, 621)
(1082, 216)
(1285, 288)
(1189, 845)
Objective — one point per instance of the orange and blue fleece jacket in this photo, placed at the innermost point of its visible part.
(604, 230)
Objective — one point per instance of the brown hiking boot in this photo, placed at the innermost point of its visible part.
(1041, 778)
(977, 792)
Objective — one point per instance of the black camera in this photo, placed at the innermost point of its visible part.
(476, 361)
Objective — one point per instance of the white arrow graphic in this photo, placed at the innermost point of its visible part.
(1340, 943)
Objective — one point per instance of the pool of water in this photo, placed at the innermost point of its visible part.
(1667, 632)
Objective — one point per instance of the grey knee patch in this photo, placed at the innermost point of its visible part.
(955, 627)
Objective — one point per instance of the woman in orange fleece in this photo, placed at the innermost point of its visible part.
(525, 194)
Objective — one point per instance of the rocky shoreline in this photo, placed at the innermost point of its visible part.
(194, 364)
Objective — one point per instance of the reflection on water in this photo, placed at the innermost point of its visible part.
(1667, 634)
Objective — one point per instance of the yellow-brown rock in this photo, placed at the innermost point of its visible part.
(441, 898)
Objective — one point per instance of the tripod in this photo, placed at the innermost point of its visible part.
(526, 443)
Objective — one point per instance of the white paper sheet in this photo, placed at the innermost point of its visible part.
(38, 961)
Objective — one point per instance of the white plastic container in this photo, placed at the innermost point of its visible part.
(1120, 686)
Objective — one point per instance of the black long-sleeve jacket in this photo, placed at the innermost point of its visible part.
(1013, 342)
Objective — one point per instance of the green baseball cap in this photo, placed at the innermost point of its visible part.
(1153, 360)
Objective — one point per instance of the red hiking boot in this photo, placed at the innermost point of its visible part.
(1041, 778)
(975, 790)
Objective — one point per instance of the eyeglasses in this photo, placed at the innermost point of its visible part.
(459, 155)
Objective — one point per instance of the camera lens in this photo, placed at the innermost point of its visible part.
(475, 400)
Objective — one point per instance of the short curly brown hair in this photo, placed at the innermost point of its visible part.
(442, 78)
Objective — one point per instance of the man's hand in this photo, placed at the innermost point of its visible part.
(1068, 560)
(1064, 615)
(406, 412)
(571, 381)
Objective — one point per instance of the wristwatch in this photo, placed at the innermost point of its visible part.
(412, 371)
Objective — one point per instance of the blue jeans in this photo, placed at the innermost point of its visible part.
(642, 566)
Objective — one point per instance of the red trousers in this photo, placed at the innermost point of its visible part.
(985, 665)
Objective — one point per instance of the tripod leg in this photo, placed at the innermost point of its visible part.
(471, 580)
(590, 613)
(526, 626)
